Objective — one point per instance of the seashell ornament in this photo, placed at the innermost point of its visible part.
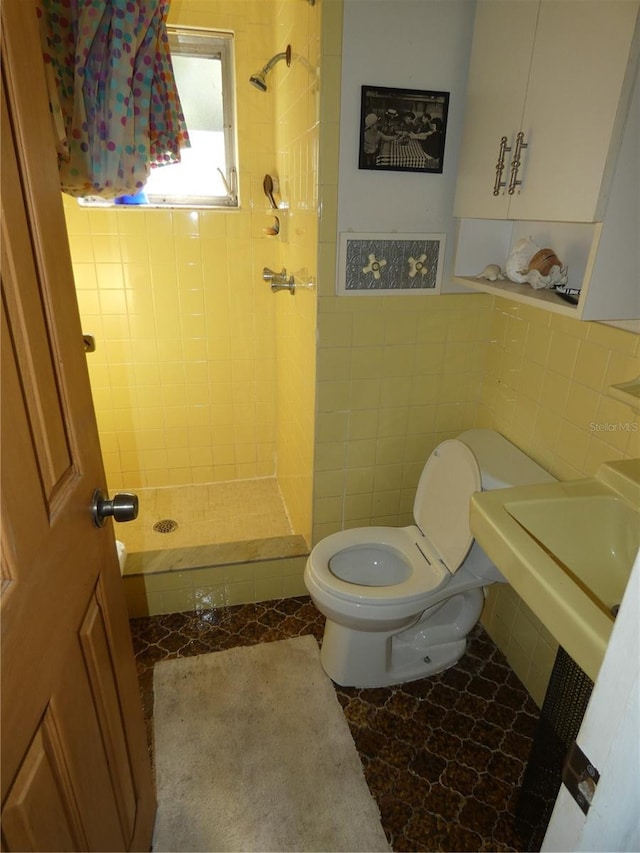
(518, 261)
(491, 272)
(541, 268)
(544, 260)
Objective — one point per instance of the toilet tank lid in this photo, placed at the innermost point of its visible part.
(502, 464)
(441, 506)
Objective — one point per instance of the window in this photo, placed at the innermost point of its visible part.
(207, 175)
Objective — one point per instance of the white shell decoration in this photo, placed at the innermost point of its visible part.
(518, 261)
(541, 268)
(491, 272)
(557, 276)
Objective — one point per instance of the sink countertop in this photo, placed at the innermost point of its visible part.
(576, 621)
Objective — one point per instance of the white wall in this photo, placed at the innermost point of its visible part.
(609, 738)
(413, 44)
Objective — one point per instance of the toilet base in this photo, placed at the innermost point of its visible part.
(434, 642)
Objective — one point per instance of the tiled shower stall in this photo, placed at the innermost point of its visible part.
(203, 379)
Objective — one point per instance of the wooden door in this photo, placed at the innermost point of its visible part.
(75, 771)
(503, 37)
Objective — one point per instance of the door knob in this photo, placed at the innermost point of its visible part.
(123, 507)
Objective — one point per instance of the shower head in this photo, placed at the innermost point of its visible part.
(258, 79)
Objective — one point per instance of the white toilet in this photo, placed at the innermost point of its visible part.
(399, 602)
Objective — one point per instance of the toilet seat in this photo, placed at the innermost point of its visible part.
(425, 571)
(419, 558)
(441, 507)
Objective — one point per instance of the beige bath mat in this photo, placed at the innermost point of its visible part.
(253, 753)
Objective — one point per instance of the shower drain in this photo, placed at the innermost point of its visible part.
(165, 525)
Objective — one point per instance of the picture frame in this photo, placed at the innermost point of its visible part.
(402, 130)
(390, 264)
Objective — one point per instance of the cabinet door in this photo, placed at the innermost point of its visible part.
(575, 107)
(503, 39)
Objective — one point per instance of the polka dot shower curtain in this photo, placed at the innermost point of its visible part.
(114, 101)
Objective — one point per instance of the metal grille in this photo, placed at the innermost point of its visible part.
(165, 525)
(564, 706)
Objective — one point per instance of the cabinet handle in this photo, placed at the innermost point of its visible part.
(516, 163)
(500, 166)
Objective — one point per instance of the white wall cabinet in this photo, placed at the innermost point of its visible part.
(558, 72)
(580, 172)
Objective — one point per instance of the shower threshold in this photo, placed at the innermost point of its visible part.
(193, 547)
(215, 554)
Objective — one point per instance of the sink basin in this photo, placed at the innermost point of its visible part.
(595, 539)
(567, 549)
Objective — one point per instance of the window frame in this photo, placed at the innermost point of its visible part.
(197, 41)
(214, 43)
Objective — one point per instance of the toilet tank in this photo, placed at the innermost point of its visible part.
(477, 459)
(501, 463)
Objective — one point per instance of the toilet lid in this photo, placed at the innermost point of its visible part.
(441, 507)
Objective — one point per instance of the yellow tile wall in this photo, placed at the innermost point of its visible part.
(297, 131)
(395, 374)
(545, 388)
(213, 586)
(185, 374)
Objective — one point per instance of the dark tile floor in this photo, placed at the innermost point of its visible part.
(443, 756)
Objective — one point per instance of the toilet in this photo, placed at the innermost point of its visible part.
(400, 602)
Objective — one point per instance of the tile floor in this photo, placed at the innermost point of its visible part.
(443, 756)
(208, 513)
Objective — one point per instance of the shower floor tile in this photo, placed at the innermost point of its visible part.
(444, 756)
(207, 514)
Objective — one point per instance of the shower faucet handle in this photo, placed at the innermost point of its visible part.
(268, 275)
(279, 280)
(272, 277)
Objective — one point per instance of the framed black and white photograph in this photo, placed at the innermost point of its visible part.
(390, 264)
(402, 130)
